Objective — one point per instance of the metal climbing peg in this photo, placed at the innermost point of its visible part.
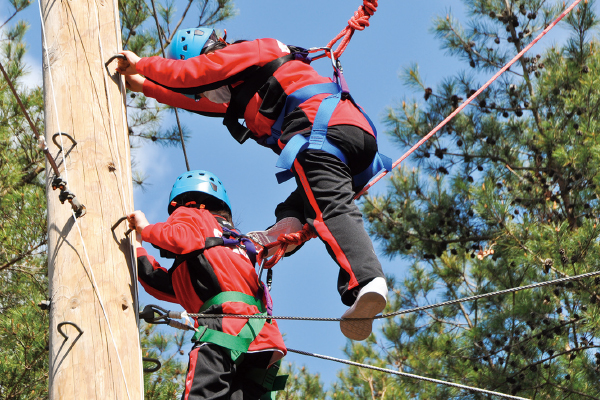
(127, 232)
(116, 56)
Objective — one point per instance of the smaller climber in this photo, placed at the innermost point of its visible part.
(213, 273)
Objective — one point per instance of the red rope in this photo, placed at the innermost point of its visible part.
(359, 21)
(283, 241)
(470, 99)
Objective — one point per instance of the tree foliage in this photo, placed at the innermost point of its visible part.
(504, 196)
(23, 281)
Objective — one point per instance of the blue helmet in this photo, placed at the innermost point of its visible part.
(188, 43)
(203, 184)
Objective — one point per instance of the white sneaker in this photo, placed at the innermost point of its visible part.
(285, 226)
(371, 300)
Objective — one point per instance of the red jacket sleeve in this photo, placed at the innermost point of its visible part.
(208, 71)
(174, 99)
(180, 234)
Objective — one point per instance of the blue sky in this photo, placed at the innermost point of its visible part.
(305, 284)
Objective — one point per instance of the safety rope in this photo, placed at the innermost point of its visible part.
(283, 241)
(75, 219)
(471, 98)
(359, 21)
(175, 314)
(407, 375)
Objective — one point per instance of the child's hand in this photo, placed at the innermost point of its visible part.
(127, 67)
(137, 220)
(135, 83)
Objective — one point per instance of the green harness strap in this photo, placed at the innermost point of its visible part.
(236, 297)
(239, 344)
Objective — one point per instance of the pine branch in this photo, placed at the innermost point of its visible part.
(22, 256)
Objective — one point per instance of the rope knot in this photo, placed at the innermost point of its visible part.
(359, 21)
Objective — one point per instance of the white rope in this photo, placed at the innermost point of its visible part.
(91, 271)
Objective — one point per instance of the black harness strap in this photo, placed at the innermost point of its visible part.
(242, 94)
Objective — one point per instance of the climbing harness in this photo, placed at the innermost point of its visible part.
(337, 90)
(317, 140)
(237, 345)
(58, 182)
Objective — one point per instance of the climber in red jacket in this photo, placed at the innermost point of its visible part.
(213, 273)
(325, 140)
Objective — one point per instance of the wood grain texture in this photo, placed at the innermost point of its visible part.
(80, 35)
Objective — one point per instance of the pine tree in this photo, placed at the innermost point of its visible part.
(23, 281)
(505, 195)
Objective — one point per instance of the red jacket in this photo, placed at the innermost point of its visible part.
(229, 66)
(193, 280)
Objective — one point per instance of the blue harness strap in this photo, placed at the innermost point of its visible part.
(298, 97)
(318, 135)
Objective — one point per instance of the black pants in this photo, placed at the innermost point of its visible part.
(324, 199)
(212, 375)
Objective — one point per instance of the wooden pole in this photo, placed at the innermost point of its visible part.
(92, 283)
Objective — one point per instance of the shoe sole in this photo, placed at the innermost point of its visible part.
(368, 306)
